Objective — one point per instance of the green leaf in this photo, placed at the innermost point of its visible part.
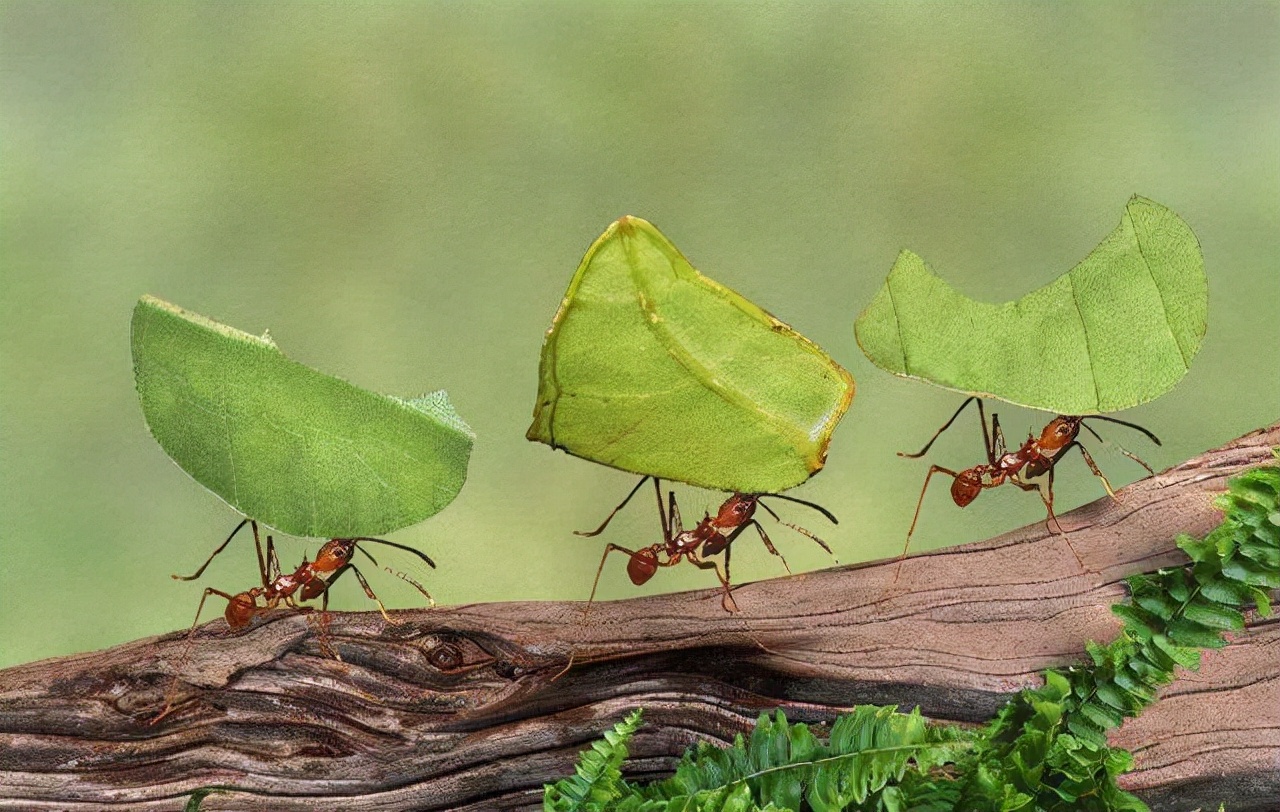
(1119, 329)
(1112, 695)
(1184, 656)
(1188, 633)
(653, 368)
(1213, 615)
(1263, 601)
(597, 778)
(1101, 715)
(304, 452)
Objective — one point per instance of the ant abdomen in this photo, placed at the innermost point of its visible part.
(240, 610)
(965, 488)
(642, 565)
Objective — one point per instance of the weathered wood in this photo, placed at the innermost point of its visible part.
(472, 707)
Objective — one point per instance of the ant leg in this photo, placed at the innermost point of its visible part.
(608, 548)
(802, 531)
(732, 605)
(221, 547)
(322, 622)
(726, 602)
(1047, 497)
(272, 570)
(609, 518)
(367, 591)
(662, 517)
(947, 425)
(1121, 448)
(933, 469)
(171, 694)
(675, 526)
(767, 544)
(322, 618)
(996, 445)
(1093, 466)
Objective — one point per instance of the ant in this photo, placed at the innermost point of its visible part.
(708, 537)
(1034, 460)
(311, 580)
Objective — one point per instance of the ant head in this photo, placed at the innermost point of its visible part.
(1060, 431)
(335, 554)
(736, 511)
(642, 565)
(966, 487)
(240, 610)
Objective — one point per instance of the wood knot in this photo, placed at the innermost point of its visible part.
(446, 657)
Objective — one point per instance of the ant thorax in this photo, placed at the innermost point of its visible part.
(286, 584)
(1011, 461)
(687, 541)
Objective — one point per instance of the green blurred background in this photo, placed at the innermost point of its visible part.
(401, 192)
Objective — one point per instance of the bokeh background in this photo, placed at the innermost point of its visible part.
(401, 192)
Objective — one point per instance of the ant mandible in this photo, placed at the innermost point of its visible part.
(1024, 467)
(708, 537)
(311, 580)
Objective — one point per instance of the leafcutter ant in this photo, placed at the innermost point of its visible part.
(311, 580)
(1029, 467)
(708, 537)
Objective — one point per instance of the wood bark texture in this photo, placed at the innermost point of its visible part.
(476, 707)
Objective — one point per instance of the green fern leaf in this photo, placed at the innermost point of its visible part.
(597, 778)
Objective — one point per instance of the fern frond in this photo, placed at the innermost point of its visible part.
(597, 778)
(785, 766)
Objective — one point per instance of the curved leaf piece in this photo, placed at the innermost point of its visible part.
(304, 452)
(1117, 330)
(653, 368)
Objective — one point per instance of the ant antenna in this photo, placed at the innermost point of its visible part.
(1126, 423)
(1123, 450)
(398, 546)
(830, 517)
(802, 531)
(404, 577)
(221, 547)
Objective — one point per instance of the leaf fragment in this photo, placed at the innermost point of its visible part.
(653, 368)
(294, 448)
(1117, 330)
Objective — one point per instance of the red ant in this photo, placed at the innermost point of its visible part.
(311, 580)
(708, 537)
(1034, 460)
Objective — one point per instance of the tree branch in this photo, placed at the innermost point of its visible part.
(476, 707)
